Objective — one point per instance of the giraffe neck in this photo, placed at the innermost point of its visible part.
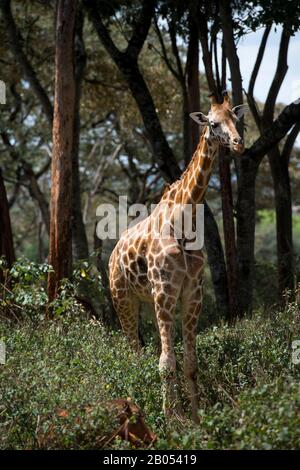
(194, 181)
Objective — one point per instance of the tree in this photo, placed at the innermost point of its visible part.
(60, 253)
(278, 160)
(15, 39)
(230, 17)
(6, 238)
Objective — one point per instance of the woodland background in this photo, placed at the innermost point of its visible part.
(136, 79)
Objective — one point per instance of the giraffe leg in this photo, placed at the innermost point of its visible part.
(165, 314)
(191, 308)
(126, 304)
(128, 312)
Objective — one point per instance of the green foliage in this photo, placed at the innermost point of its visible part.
(24, 292)
(265, 417)
(249, 388)
(68, 365)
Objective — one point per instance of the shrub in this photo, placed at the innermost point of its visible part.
(249, 388)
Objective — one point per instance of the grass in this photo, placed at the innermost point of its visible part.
(249, 388)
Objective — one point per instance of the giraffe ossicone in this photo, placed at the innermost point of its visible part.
(164, 270)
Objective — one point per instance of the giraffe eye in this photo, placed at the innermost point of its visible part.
(214, 125)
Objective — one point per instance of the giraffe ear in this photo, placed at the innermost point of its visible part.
(239, 110)
(199, 118)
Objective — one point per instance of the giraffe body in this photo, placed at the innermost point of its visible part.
(147, 265)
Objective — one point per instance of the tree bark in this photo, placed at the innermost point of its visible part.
(80, 244)
(229, 235)
(109, 314)
(79, 238)
(60, 256)
(36, 193)
(192, 79)
(250, 162)
(246, 233)
(6, 237)
(231, 54)
(284, 233)
(216, 261)
(281, 179)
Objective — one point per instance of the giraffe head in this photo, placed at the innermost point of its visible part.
(221, 122)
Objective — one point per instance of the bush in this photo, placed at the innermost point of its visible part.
(249, 388)
(265, 417)
(68, 365)
(24, 291)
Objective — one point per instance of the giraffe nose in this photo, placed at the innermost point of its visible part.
(238, 141)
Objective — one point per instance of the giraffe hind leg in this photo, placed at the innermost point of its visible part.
(128, 312)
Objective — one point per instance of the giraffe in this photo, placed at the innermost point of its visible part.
(146, 266)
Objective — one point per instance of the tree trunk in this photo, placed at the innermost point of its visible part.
(187, 149)
(36, 193)
(216, 261)
(6, 238)
(231, 54)
(284, 234)
(60, 256)
(79, 239)
(160, 147)
(109, 315)
(246, 232)
(192, 74)
(229, 235)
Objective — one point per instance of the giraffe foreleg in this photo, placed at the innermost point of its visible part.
(165, 305)
(191, 308)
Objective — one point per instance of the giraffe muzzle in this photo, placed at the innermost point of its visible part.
(238, 145)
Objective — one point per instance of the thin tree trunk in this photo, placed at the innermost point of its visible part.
(60, 256)
(229, 235)
(192, 74)
(37, 194)
(246, 233)
(216, 261)
(79, 239)
(109, 315)
(231, 54)
(6, 237)
(284, 235)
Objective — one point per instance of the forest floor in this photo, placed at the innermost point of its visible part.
(249, 385)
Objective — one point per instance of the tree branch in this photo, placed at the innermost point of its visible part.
(102, 31)
(33, 187)
(231, 53)
(29, 73)
(258, 61)
(250, 94)
(206, 57)
(164, 54)
(141, 29)
(275, 132)
(279, 76)
(172, 33)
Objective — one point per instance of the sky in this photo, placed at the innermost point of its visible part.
(247, 50)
